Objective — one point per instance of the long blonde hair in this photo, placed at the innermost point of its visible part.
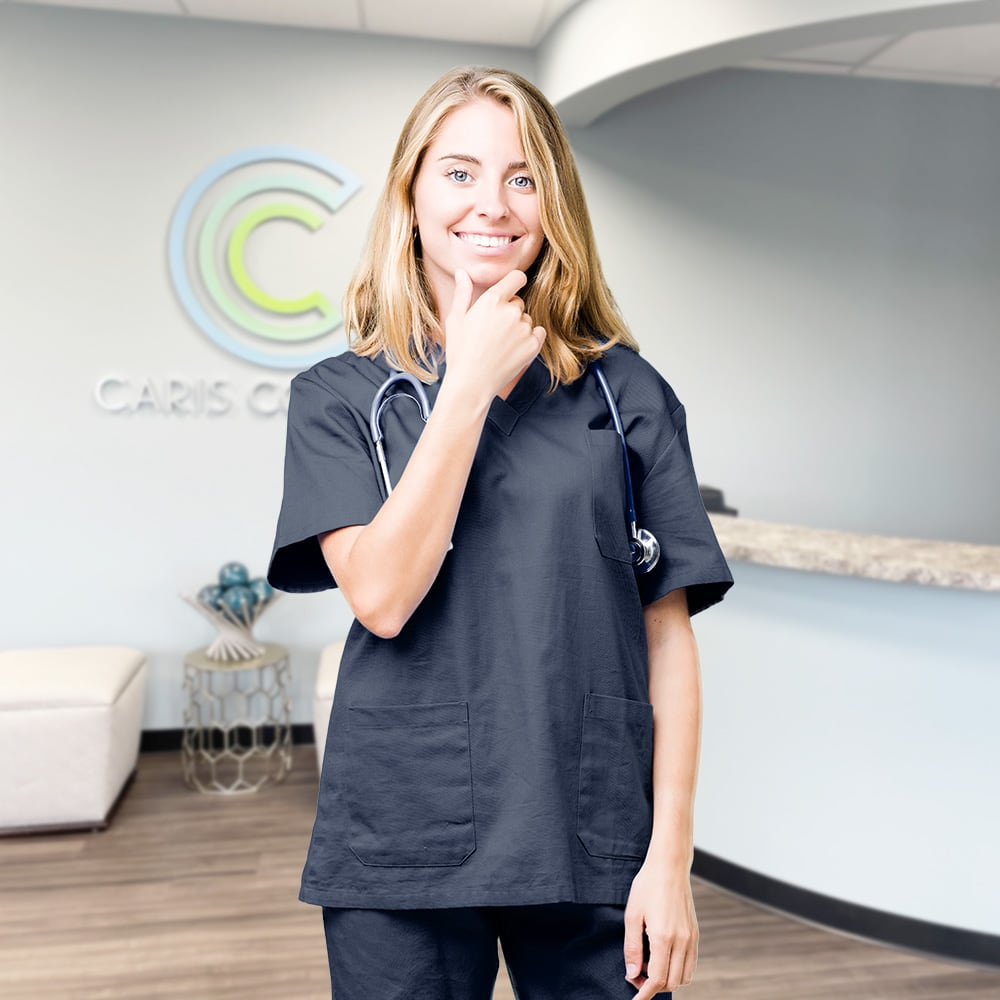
(389, 305)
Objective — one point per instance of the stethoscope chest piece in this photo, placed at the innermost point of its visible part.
(645, 550)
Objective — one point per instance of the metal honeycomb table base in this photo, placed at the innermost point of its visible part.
(237, 721)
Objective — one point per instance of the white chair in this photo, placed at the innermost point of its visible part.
(70, 723)
(326, 684)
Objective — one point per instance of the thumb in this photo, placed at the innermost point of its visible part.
(463, 294)
(633, 946)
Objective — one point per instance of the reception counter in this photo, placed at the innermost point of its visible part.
(876, 557)
(850, 742)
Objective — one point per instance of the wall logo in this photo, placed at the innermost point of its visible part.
(208, 253)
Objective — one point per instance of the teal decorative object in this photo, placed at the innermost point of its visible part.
(211, 595)
(234, 574)
(240, 601)
(233, 606)
(262, 590)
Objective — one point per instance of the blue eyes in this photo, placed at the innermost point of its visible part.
(522, 182)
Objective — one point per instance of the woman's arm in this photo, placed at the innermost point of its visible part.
(385, 568)
(660, 901)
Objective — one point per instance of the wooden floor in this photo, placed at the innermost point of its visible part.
(194, 896)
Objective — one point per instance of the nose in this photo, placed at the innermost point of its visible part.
(491, 201)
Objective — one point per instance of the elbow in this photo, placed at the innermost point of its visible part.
(380, 619)
(384, 627)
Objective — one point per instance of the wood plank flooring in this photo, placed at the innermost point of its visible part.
(194, 896)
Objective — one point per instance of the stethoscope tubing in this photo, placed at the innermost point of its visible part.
(382, 399)
(644, 549)
(616, 419)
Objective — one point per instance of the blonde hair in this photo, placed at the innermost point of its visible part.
(389, 305)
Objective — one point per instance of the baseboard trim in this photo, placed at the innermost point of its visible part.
(938, 940)
(164, 740)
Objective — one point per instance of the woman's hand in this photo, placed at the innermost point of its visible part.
(491, 341)
(660, 902)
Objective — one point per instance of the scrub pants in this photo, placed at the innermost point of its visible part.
(554, 951)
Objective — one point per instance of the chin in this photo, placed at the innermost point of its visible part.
(486, 275)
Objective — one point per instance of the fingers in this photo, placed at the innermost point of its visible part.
(633, 935)
(671, 963)
(505, 288)
(463, 294)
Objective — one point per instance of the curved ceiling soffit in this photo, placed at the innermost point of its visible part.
(605, 52)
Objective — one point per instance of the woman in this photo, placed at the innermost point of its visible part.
(513, 742)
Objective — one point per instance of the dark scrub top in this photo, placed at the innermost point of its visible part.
(498, 751)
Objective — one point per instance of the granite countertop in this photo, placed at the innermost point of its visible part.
(877, 557)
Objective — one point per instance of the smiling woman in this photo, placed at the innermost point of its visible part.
(482, 154)
(476, 209)
(513, 738)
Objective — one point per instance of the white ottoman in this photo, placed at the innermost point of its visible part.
(326, 684)
(70, 722)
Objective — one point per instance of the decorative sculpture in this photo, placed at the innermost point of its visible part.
(233, 606)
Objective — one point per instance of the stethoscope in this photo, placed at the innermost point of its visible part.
(644, 549)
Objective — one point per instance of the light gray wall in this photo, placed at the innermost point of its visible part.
(813, 263)
(105, 119)
(848, 741)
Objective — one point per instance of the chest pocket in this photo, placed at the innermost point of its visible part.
(409, 784)
(608, 491)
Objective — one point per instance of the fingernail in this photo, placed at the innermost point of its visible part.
(631, 971)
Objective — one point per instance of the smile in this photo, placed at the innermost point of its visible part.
(482, 240)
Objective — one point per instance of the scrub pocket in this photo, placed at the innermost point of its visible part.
(409, 784)
(608, 489)
(615, 809)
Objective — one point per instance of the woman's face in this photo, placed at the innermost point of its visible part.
(475, 202)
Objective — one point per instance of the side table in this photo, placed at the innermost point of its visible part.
(237, 721)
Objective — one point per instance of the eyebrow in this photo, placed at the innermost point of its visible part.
(465, 158)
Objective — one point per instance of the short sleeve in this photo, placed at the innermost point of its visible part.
(331, 481)
(669, 504)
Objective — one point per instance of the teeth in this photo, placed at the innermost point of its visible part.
(486, 241)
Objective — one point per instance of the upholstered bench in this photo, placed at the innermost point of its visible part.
(70, 722)
(326, 683)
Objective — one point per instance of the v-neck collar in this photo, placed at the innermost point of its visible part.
(503, 413)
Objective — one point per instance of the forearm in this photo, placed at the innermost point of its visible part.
(675, 693)
(396, 557)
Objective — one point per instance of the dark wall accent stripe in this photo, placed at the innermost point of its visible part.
(876, 925)
(159, 740)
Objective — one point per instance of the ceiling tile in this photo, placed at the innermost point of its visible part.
(134, 6)
(840, 52)
(512, 23)
(968, 51)
(336, 14)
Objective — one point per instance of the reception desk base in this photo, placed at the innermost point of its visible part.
(861, 921)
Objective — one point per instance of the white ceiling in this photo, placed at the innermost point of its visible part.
(521, 23)
(966, 55)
